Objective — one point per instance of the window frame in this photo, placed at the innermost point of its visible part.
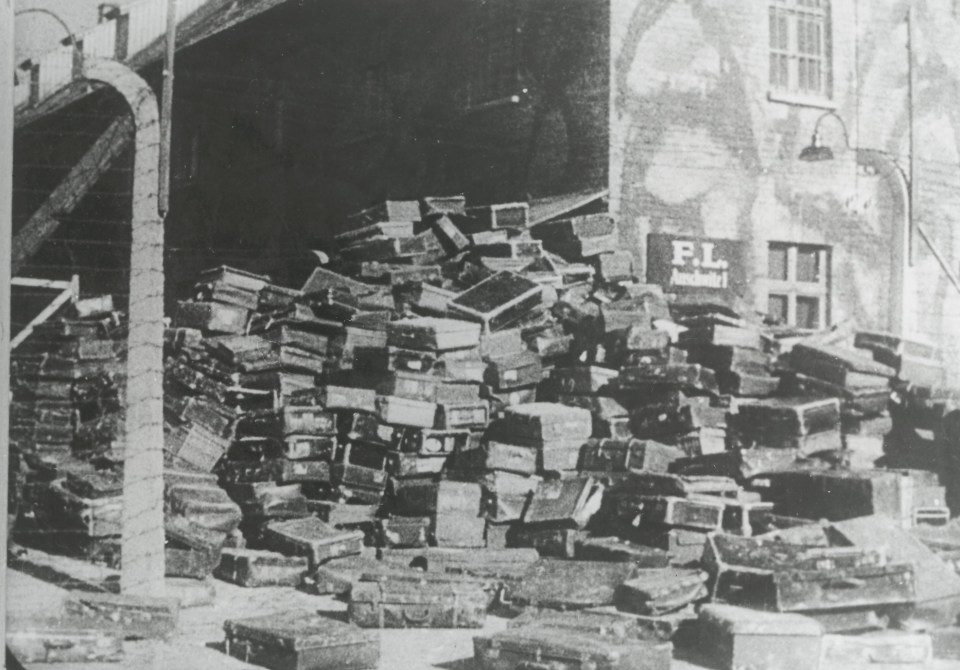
(792, 288)
(785, 19)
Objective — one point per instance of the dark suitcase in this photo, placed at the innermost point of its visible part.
(414, 496)
(433, 334)
(388, 211)
(544, 422)
(695, 514)
(313, 538)
(59, 640)
(341, 397)
(290, 420)
(256, 568)
(278, 470)
(300, 336)
(569, 501)
(658, 591)
(498, 300)
(550, 540)
(212, 317)
(208, 507)
(430, 442)
(608, 455)
(747, 385)
(775, 418)
(794, 578)
(367, 428)
(396, 603)
(560, 584)
(414, 465)
(823, 357)
(738, 464)
(449, 234)
(515, 371)
(687, 376)
(501, 216)
(521, 459)
(534, 647)
(462, 415)
(191, 550)
(835, 494)
(104, 484)
(738, 637)
(137, 616)
(220, 292)
(584, 380)
(301, 640)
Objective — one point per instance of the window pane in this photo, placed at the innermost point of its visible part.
(774, 36)
(808, 265)
(808, 312)
(777, 308)
(784, 33)
(777, 262)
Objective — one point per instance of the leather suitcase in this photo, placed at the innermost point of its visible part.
(562, 584)
(696, 514)
(300, 336)
(278, 470)
(747, 385)
(394, 603)
(897, 649)
(583, 380)
(572, 501)
(619, 550)
(414, 465)
(614, 266)
(208, 507)
(342, 397)
(272, 296)
(313, 538)
(544, 422)
(498, 300)
(433, 443)
(657, 591)
(290, 420)
(730, 358)
(137, 616)
(607, 455)
(449, 234)
(301, 640)
(738, 464)
(737, 637)
(550, 540)
(562, 649)
(201, 411)
(521, 459)
(588, 225)
(230, 276)
(458, 521)
(396, 359)
(220, 292)
(93, 517)
(414, 496)
(191, 551)
(686, 376)
(386, 212)
(442, 204)
(433, 334)
(367, 428)
(550, 343)
(777, 418)
(516, 248)
(93, 485)
(515, 371)
(257, 568)
(462, 415)
(794, 578)
(58, 640)
(501, 216)
(406, 412)
(404, 531)
(211, 317)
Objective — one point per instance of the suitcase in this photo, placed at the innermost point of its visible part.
(737, 637)
(395, 359)
(607, 455)
(229, 276)
(657, 591)
(402, 531)
(544, 422)
(686, 376)
(406, 412)
(416, 496)
(550, 540)
(212, 317)
(433, 334)
(341, 397)
(414, 465)
(738, 464)
(301, 640)
(584, 380)
(93, 485)
(515, 371)
(747, 385)
(364, 427)
(256, 568)
(405, 212)
(300, 336)
(501, 216)
(313, 538)
(722, 334)
(561, 584)
(137, 616)
(614, 266)
(730, 358)
(567, 501)
(219, 292)
(619, 550)
(93, 517)
(458, 521)
(794, 578)
(500, 568)
(462, 415)
(278, 470)
(191, 550)
(497, 300)
(774, 419)
(207, 507)
(433, 443)
(697, 514)
(588, 225)
(888, 648)
(58, 640)
(449, 234)
(534, 646)
(521, 459)
(683, 546)
(395, 603)
(290, 420)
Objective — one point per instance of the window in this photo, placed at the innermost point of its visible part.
(798, 285)
(495, 69)
(800, 47)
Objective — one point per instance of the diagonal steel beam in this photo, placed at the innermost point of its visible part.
(71, 190)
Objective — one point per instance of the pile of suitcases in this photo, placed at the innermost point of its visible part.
(465, 399)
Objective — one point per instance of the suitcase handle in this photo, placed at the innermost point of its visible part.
(417, 616)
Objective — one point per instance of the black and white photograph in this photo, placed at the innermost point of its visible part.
(480, 334)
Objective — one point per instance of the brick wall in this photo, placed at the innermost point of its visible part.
(701, 145)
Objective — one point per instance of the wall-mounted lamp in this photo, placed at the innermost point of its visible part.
(818, 151)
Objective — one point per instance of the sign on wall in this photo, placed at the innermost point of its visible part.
(682, 263)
